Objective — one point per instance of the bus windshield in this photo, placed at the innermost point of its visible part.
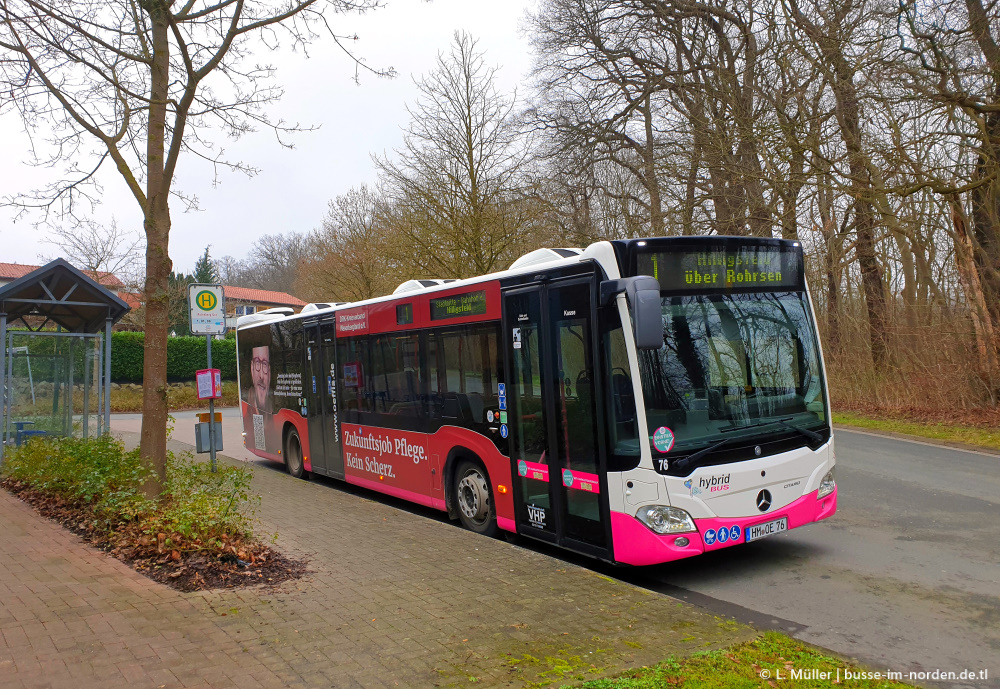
(735, 365)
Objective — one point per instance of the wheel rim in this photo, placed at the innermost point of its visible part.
(294, 454)
(474, 497)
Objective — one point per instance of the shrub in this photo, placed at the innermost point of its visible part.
(127, 356)
(97, 471)
(199, 506)
(185, 355)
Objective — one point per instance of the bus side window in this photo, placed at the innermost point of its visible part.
(352, 372)
(395, 382)
(623, 427)
(463, 375)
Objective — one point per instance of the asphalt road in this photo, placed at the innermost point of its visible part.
(905, 577)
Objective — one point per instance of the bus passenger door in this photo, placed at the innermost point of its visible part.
(529, 414)
(313, 391)
(577, 439)
(331, 419)
(560, 492)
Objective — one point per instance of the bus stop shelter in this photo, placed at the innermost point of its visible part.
(55, 354)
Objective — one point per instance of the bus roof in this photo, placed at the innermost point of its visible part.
(604, 253)
(601, 252)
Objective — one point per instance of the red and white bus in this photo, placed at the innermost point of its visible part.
(638, 401)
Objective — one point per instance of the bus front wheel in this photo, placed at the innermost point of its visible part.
(293, 454)
(474, 499)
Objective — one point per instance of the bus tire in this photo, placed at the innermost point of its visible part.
(293, 454)
(474, 499)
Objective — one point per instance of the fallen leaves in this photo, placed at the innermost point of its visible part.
(184, 564)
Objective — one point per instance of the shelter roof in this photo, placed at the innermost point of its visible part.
(61, 294)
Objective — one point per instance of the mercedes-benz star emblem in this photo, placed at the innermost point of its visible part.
(757, 450)
(764, 500)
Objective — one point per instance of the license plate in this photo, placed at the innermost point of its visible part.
(766, 529)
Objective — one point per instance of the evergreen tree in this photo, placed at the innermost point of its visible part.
(177, 311)
(204, 269)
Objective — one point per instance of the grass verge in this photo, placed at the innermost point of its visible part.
(769, 661)
(199, 534)
(986, 437)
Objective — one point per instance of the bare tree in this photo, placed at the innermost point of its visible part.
(456, 185)
(832, 31)
(952, 62)
(272, 263)
(101, 249)
(352, 251)
(138, 84)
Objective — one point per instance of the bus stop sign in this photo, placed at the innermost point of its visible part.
(207, 308)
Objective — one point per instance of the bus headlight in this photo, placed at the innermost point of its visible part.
(663, 519)
(827, 485)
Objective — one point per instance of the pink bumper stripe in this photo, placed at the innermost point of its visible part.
(635, 544)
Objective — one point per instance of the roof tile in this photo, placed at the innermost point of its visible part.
(262, 296)
(13, 271)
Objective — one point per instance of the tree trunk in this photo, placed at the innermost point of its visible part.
(982, 322)
(849, 119)
(909, 293)
(690, 189)
(652, 181)
(153, 442)
(986, 199)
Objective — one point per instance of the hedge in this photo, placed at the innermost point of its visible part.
(185, 355)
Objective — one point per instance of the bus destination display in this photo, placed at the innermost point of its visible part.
(744, 268)
(458, 305)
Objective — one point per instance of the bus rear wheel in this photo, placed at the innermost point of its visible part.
(474, 499)
(293, 454)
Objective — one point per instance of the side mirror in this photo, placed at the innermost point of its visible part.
(643, 294)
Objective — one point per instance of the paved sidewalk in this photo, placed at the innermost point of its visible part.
(393, 599)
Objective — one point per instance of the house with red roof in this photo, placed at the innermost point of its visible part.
(12, 271)
(243, 301)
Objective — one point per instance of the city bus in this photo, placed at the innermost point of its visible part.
(638, 401)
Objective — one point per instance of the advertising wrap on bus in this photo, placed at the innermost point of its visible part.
(523, 401)
(270, 370)
(381, 454)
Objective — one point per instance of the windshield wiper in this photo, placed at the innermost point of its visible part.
(812, 435)
(681, 463)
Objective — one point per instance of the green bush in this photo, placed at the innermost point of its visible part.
(185, 355)
(196, 504)
(127, 357)
(96, 471)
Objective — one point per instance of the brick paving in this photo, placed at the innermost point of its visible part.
(393, 599)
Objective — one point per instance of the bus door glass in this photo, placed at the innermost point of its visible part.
(576, 441)
(559, 491)
(314, 393)
(528, 414)
(331, 419)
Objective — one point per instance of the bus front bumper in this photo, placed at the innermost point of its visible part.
(635, 544)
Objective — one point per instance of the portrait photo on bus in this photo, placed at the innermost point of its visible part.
(258, 377)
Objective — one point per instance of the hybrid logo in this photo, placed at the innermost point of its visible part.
(714, 484)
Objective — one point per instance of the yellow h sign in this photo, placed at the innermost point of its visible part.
(205, 300)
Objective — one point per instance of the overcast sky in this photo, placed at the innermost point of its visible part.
(293, 187)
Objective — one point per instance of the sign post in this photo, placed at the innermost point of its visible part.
(207, 310)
